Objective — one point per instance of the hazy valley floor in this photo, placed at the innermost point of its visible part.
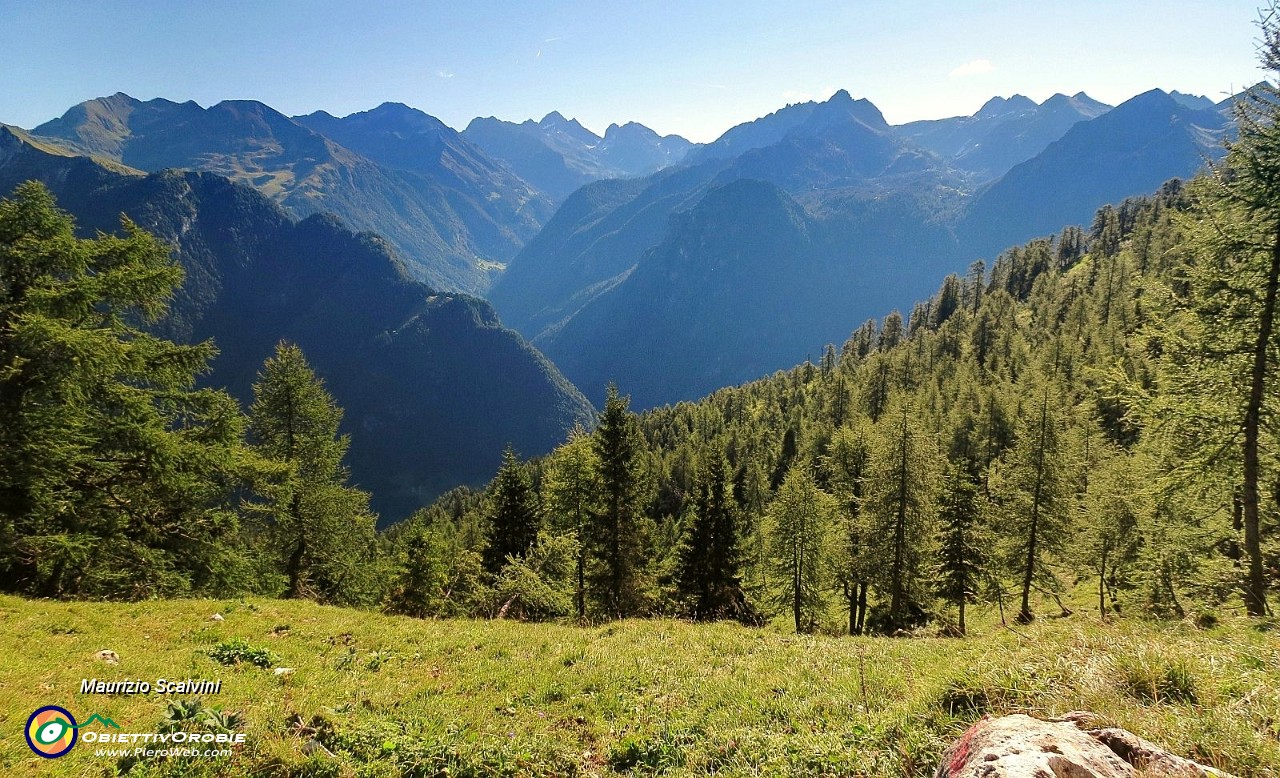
(399, 696)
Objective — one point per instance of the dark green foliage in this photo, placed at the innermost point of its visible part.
(961, 546)
(437, 574)
(616, 538)
(709, 577)
(117, 477)
(514, 515)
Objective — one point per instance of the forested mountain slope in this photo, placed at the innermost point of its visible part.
(887, 217)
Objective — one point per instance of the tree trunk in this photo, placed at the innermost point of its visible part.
(899, 536)
(1025, 615)
(1255, 595)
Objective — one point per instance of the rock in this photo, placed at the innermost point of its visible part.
(217, 617)
(108, 656)
(1020, 746)
(284, 672)
(313, 747)
(1147, 757)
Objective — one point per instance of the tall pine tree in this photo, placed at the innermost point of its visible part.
(708, 572)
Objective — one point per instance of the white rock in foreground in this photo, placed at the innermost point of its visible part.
(1019, 746)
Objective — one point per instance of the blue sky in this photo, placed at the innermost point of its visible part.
(690, 68)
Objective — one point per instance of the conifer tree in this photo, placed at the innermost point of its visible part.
(1034, 493)
(514, 517)
(1110, 509)
(961, 548)
(848, 465)
(117, 477)
(323, 527)
(800, 525)
(900, 504)
(708, 573)
(571, 484)
(617, 540)
(1223, 340)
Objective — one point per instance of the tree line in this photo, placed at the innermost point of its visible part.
(1094, 409)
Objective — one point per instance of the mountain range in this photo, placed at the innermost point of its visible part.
(453, 215)
(669, 267)
(631, 277)
(559, 155)
(433, 385)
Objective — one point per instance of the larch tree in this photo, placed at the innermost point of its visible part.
(1222, 341)
(118, 478)
(900, 505)
(571, 498)
(324, 529)
(1034, 493)
(800, 519)
(848, 465)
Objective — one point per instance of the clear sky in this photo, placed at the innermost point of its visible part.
(685, 67)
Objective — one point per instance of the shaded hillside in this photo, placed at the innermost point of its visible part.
(454, 223)
(591, 243)
(739, 284)
(433, 385)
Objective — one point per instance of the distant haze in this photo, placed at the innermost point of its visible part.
(677, 68)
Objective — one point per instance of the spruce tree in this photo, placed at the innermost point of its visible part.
(962, 553)
(514, 517)
(323, 528)
(708, 571)
(617, 540)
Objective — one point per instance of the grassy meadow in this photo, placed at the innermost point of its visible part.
(391, 696)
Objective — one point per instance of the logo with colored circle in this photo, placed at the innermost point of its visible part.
(51, 731)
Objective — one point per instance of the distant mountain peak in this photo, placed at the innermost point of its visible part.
(998, 106)
(571, 127)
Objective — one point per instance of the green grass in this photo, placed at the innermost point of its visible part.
(398, 696)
